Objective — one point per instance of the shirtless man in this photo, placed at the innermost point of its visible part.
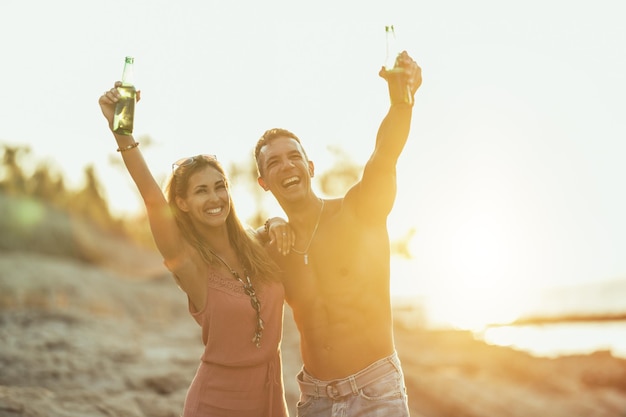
(337, 268)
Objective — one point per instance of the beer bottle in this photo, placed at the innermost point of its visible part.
(392, 48)
(397, 79)
(125, 108)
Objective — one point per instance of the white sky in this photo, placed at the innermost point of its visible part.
(514, 172)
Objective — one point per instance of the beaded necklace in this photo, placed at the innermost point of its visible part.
(249, 290)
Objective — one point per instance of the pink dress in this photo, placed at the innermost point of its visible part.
(235, 377)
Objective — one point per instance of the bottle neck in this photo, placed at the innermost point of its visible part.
(128, 77)
(392, 48)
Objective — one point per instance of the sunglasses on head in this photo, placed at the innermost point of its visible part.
(183, 162)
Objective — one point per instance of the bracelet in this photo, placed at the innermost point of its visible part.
(267, 226)
(128, 148)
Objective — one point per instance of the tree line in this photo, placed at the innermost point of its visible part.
(47, 186)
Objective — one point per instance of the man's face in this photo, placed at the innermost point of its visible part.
(285, 171)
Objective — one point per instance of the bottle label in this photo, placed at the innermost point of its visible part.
(123, 119)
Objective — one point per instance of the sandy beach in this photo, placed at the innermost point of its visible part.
(102, 330)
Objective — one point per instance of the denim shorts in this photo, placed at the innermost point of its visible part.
(376, 391)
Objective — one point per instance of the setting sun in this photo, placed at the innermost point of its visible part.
(467, 258)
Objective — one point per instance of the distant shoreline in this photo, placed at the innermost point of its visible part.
(569, 318)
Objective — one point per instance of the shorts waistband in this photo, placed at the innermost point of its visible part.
(351, 384)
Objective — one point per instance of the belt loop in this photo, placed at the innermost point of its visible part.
(395, 361)
(353, 385)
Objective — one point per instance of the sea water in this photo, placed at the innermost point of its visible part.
(414, 306)
(543, 340)
(558, 339)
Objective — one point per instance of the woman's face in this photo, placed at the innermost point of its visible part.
(208, 199)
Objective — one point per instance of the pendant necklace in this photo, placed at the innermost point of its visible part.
(305, 252)
(249, 290)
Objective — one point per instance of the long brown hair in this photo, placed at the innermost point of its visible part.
(252, 254)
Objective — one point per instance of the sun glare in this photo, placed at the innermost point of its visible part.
(472, 309)
(465, 266)
(473, 289)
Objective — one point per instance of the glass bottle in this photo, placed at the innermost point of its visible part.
(123, 119)
(392, 48)
(396, 76)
